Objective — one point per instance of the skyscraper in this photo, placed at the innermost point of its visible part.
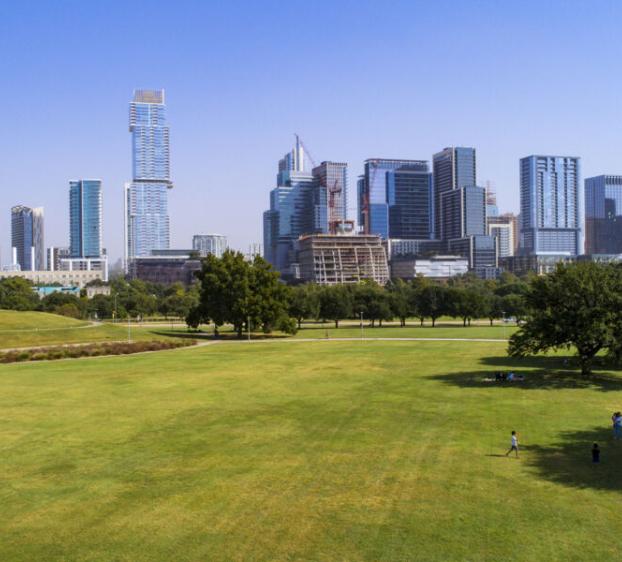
(290, 213)
(27, 238)
(453, 168)
(303, 202)
(551, 205)
(85, 218)
(463, 212)
(603, 215)
(395, 199)
(146, 198)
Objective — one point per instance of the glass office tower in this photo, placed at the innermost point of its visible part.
(85, 218)
(463, 212)
(146, 199)
(603, 215)
(290, 213)
(27, 240)
(300, 204)
(551, 204)
(395, 199)
(454, 167)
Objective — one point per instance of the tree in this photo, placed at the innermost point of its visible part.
(335, 303)
(494, 307)
(465, 303)
(372, 300)
(17, 293)
(400, 300)
(304, 303)
(432, 302)
(576, 306)
(237, 292)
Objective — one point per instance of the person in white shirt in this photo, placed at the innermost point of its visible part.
(514, 445)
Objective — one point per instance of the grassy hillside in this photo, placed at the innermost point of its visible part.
(307, 451)
(11, 320)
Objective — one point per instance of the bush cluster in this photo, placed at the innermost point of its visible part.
(91, 350)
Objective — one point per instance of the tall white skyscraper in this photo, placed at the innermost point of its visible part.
(146, 199)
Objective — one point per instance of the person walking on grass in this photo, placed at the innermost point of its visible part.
(514, 444)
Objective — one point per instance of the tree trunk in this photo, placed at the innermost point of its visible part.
(422, 319)
(336, 323)
(464, 322)
(433, 322)
(403, 322)
(586, 365)
(490, 322)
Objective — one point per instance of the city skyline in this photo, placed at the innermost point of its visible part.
(225, 138)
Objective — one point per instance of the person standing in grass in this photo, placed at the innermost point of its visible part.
(514, 444)
(617, 425)
(595, 453)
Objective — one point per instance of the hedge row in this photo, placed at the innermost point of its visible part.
(91, 350)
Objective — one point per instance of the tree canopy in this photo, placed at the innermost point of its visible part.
(577, 306)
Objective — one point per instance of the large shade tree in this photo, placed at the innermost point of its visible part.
(577, 306)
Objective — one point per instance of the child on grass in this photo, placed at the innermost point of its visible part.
(514, 445)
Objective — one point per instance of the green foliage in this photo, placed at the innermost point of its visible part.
(17, 294)
(336, 303)
(304, 302)
(577, 306)
(235, 291)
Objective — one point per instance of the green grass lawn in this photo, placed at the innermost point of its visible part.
(11, 320)
(289, 450)
(30, 329)
(497, 331)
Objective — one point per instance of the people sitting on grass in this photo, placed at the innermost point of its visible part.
(503, 377)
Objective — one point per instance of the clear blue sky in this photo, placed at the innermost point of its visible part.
(356, 80)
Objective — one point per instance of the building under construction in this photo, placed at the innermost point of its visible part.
(328, 259)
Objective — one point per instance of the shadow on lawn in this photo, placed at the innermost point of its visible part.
(569, 461)
(221, 336)
(539, 379)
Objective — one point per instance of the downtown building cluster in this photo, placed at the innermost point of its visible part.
(416, 219)
(147, 251)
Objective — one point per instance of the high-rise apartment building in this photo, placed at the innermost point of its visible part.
(214, 244)
(54, 257)
(551, 204)
(395, 199)
(329, 196)
(85, 218)
(27, 238)
(146, 199)
(453, 168)
(603, 215)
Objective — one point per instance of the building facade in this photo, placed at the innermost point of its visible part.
(603, 215)
(551, 204)
(329, 259)
(85, 218)
(436, 267)
(205, 244)
(395, 199)
(463, 212)
(453, 168)
(54, 255)
(27, 238)
(147, 225)
(504, 228)
(302, 203)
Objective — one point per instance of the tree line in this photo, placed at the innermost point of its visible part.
(127, 298)
(249, 295)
